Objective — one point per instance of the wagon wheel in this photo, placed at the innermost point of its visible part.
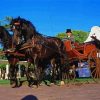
(94, 63)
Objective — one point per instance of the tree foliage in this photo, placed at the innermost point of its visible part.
(80, 36)
(5, 22)
(3, 65)
(1, 55)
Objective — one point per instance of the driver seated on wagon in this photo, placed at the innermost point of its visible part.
(70, 36)
(69, 40)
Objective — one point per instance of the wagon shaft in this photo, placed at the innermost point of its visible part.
(2, 53)
(12, 52)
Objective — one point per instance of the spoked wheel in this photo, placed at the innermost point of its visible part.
(94, 63)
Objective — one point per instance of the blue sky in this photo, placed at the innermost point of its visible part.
(53, 16)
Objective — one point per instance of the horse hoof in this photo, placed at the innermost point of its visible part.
(62, 83)
(33, 86)
(13, 85)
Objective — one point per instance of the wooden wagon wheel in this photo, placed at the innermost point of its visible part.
(94, 63)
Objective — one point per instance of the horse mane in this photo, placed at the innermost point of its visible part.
(37, 34)
(32, 28)
(32, 32)
(29, 32)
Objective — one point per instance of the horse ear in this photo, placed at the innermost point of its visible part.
(18, 17)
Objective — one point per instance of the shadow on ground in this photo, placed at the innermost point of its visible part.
(30, 97)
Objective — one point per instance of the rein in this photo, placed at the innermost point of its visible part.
(12, 53)
(25, 47)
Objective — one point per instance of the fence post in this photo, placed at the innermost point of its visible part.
(0, 73)
(7, 71)
(19, 72)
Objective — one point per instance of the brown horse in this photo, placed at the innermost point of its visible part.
(6, 41)
(13, 56)
(42, 47)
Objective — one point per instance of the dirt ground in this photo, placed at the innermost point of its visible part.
(54, 92)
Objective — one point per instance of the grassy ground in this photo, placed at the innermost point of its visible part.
(4, 82)
(73, 81)
(81, 80)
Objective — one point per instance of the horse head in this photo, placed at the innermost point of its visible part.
(5, 38)
(22, 29)
(96, 41)
(2, 32)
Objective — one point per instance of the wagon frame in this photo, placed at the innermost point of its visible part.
(86, 51)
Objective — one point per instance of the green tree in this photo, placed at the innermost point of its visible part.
(2, 56)
(80, 36)
(2, 65)
(5, 22)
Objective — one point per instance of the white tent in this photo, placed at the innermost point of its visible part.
(95, 31)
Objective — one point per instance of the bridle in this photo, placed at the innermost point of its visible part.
(17, 29)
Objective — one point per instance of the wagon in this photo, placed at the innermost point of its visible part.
(84, 52)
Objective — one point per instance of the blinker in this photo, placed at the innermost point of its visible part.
(17, 23)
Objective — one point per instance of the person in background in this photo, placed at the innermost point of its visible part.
(70, 36)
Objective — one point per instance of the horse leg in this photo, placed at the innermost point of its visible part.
(33, 78)
(28, 74)
(58, 68)
(40, 71)
(12, 72)
(37, 75)
(54, 71)
(12, 75)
